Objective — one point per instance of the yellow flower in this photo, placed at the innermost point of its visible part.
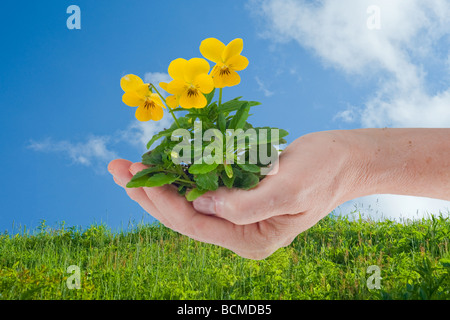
(228, 60)
(138, 94)
(190, 81)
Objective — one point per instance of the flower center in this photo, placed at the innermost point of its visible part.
(192, 90)
(224, 70)
(149, 104)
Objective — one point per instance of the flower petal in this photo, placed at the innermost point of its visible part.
(176, 86)
(143, 113)
(142, 90)
(232, 49)
(225, 79)
(237, 63)
(172, 102)
(196, 100)
(164, 86)
(157, 99)
(132, 99)
(157, 113)
(212, 49)
(204, 82)
(176, 68)
(130, 82)
(194, 67)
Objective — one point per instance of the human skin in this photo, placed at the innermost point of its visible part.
(317, 172)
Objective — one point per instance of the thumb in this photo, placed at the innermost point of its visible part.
(274, 195)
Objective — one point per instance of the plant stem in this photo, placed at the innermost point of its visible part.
(186, 181)
(170, 110)
(220, 97)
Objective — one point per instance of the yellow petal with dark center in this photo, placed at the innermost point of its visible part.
(176, 86)
(212, 49)
(176, 68)
(172, 102)
(157, 99)
(232, 49)
(192, 99)
(237, 63)
(204, 83)
(130, 82)
(143, 113)
(132, 99)
(194, 67)
(226, 78)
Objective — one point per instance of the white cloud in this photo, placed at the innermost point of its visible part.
(92, 153)
(396, 60)
(139, 133)
(263, 87)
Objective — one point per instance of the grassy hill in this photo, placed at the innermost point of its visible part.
(329, 261)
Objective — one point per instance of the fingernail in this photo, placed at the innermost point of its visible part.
(205, 205)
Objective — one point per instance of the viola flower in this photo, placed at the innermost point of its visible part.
(228, 60)
(190, 81)
(138, 94)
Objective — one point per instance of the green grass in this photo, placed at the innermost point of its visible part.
(329, 261)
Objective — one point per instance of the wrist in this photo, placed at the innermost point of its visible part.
(407, 161)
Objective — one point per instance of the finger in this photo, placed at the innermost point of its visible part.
(184, 219)
(121, 174)
(274, 195)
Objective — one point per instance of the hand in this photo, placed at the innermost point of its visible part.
(317, 172)
(257, 222)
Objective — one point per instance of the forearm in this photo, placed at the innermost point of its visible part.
(409, 161)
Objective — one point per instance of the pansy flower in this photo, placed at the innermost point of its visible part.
(138, 94)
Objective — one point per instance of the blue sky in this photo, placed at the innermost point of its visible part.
(314, 66)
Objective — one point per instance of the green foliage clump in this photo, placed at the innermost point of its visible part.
(193, 177)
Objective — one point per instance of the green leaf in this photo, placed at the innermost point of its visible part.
(182, 190)
(140, 178)
(222, 122)
(235, 104)
(247, 180)
(210, 96)
(161, 179)
(228, 170)
(194, 194)
(213, 112)
(164, 133)
(249, 167)
(145, 172)
(138, 182)
(201, 168)
(207, 181)
(227, 181)
(153, 157)
(239, 119)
